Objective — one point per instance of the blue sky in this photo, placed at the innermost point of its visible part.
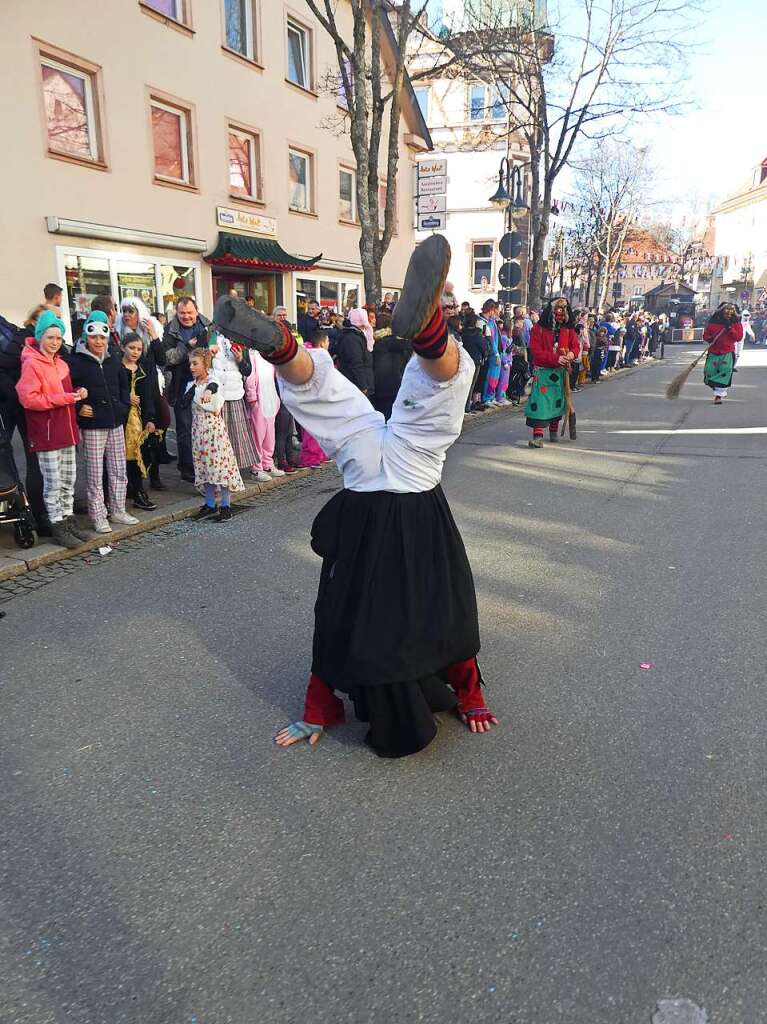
(708, 152)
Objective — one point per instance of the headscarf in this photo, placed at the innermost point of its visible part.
(719, 317)
(143, 314)
(47, 319)
(359, 318)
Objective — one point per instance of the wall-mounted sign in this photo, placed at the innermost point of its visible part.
(432, 222)
(435, 186)
(253, 222)
(432, 204)
(430, 168)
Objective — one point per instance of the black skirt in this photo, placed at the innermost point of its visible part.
(396, 606)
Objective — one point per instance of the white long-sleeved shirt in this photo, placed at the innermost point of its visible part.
(406, 454)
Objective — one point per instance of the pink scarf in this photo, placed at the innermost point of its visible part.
(359, 318)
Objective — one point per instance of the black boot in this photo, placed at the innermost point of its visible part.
(154, 479)
(143, 501)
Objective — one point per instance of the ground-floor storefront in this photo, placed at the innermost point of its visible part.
(135, 264)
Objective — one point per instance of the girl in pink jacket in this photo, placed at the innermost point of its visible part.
(46, 393)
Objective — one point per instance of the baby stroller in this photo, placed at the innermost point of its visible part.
(14, 506)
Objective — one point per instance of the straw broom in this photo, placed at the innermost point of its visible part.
(676, 385)
(570, 420)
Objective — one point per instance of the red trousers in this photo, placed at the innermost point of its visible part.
(322, 707)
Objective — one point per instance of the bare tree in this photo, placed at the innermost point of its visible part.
(582, 77)
(370, 78)
(612, 186)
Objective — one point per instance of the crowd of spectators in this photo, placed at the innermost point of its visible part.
(109, 397)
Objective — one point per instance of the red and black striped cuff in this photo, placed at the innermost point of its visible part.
(286, 352)
(432, 341)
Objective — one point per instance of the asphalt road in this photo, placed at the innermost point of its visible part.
(603, 849)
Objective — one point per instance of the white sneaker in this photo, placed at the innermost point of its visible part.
(261, 476)
(124, 519)
(274, 473)
(102, 526)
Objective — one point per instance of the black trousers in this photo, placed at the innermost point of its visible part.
(283, 432)
(479, 384)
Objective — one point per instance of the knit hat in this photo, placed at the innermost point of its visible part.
(47, 319)
(97, 316)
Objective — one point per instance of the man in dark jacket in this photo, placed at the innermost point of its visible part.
(309, 322)
(354, 360)
(188, 329)
(101, 418)
(475, 343)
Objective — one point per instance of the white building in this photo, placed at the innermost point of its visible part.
(740, 243)
(468, 123)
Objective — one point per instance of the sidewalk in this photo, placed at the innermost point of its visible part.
(178, 502)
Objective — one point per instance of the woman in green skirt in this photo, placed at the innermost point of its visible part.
(554, 345)
(722, 332)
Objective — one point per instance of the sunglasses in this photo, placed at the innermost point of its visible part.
(96, 328)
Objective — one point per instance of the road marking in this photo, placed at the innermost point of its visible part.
(693, 430)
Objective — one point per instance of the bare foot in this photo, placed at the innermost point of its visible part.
(297, 731)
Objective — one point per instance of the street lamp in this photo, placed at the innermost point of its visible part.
(508, 175)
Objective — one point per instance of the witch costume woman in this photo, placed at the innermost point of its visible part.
(554, 345)
(396, 626)
(723, 331)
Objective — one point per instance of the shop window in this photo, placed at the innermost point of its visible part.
(329, 295)
(176, 10)
(241, 27)
(137, 280)
(301, 174)
(244, 163)
(86, 278)
(71, 109)
(481, 264)
(299, 41)
(347, 195)
(176, 280)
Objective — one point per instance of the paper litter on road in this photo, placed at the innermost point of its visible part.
(105, 550)
(678, 1011)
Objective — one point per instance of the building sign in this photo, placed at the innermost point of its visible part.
(430, 168)
(253, 222)
(432, 204)
(432, 222)
(436, 186)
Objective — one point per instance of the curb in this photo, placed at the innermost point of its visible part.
(185, 508)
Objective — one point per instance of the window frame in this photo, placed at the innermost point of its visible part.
(346, 169)
(295, 22)
(254, 135)
(115, 256)
(91, 73)
(253, 32)
(186, 113)
(311, 180)
(474, 285)
(183, 23)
